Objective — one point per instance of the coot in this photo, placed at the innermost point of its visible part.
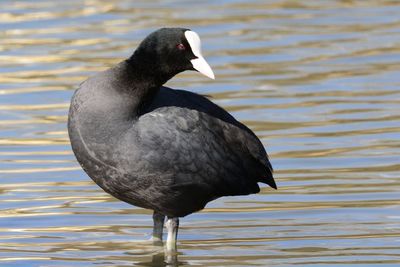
(171, 151)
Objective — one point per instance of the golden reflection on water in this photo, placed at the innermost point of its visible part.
(35, 107)
(316, 80)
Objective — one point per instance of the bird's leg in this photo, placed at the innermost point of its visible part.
(158, 220)
(172, 225)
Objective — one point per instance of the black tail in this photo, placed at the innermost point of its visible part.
(266, 170)
(269, 180)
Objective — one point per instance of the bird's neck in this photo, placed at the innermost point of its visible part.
(138, 81)
(108, 103)
(147, 71)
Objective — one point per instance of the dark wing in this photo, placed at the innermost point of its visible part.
(219, 126)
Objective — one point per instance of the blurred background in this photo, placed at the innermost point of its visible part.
(318, 81)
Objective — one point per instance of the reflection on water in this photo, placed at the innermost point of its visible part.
(318, 81)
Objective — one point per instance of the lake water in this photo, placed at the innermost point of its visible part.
(318, 81)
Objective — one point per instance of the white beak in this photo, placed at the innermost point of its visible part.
(199, 63)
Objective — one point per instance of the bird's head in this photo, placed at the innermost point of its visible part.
(170, 51)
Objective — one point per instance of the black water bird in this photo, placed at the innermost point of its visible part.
(171, 151)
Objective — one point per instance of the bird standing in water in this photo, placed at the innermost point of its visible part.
(171, 151)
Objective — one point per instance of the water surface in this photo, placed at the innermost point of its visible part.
(318, 81)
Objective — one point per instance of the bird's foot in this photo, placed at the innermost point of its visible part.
(156, 241)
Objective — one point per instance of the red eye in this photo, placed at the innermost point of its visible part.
(181, 46)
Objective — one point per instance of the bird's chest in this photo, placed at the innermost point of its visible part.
(95, 131)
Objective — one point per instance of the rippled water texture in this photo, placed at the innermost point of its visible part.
(318, 81)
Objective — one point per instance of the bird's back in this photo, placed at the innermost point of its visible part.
(222, 127)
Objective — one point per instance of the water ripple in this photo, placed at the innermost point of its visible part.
(316, 80)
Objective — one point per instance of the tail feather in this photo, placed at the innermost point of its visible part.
(268, 171)
(269, 180)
